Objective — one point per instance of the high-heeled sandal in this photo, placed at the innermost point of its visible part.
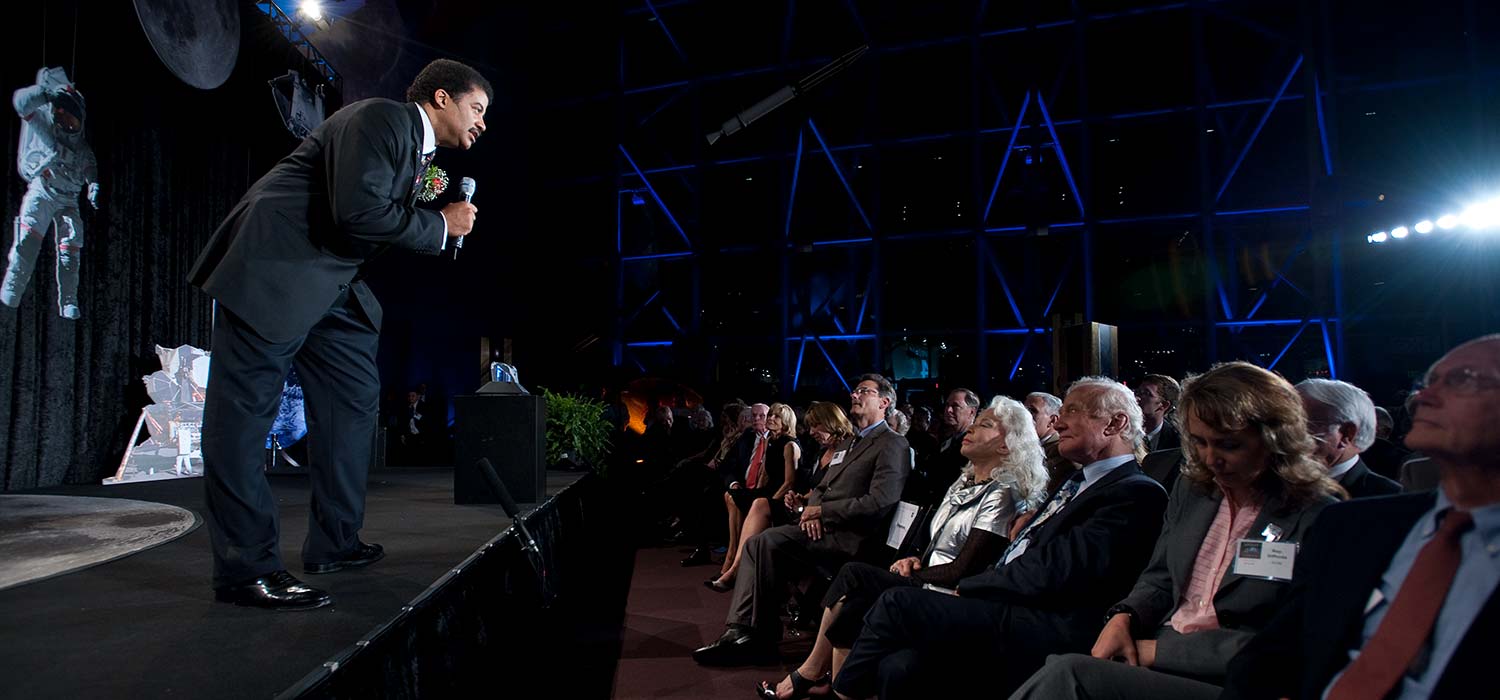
(801, 687)
(714, 585)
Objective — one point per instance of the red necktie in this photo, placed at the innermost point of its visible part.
(752, 477)
(1408, 622)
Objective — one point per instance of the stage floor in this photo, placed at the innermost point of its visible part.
(147, 625)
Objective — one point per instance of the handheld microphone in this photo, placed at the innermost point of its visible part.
(466, 186)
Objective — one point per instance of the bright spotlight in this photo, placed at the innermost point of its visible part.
(1399, 232)
(1424, 226)
(1377, 238)
(312, 9)
(1485, 215)
(1447, 221)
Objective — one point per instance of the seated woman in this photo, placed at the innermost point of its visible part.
(775, 478)
(969, 530)
(1249, 476)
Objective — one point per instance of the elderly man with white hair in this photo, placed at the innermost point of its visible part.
(1048, 594)
(1341, 418)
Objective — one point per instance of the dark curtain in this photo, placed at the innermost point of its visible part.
(172, 161)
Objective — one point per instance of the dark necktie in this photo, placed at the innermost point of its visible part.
(1065, 493)
(1408, 622)
(422, 163)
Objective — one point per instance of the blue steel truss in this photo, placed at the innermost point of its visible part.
(1220, 322)
(291, 29)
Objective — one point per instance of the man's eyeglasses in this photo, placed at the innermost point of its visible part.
(1462, 381)
(860, 391)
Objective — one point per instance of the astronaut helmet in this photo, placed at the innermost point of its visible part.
(67, 112)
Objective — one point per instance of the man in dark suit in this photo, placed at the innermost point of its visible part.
(285, 269)
(1080, 554)
(1398, 596)
(931, 478)
(1043, 408)
(1341, 418)
(1157, 395)
(843, 513)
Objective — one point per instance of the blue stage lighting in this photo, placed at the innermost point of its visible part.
(1377, 237)
(1447, 221)
(1399, 232)
(1424, 226)
(1482, 216)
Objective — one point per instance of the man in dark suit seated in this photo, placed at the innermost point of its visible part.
(1157, 394)
(1384, 457)
(847, 508)
(1079, 555)
(1043, 408)
(931, 478)
(1341, 418)
(285, 269)
(1397, 596)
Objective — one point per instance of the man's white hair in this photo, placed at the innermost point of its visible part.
(1114, 397)
(1348, 403)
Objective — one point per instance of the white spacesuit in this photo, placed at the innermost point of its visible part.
(58, 164)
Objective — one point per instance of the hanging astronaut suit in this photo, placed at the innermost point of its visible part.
(58, 164)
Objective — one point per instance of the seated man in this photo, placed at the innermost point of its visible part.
(1079, 555)
(846, 508)
(1341, 418)
(1396, 596)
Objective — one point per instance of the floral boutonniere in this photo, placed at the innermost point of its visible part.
(434, 181)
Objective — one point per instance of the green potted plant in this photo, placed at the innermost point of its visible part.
(576, 430)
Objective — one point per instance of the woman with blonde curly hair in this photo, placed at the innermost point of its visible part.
(967, 533)
(1250, 477)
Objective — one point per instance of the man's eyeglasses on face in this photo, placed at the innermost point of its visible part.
(1463, 381)
(864, 390)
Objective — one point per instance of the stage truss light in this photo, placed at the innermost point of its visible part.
(1424, 226)
(1376, 237)
(312, 9)
(1399, 232)
(1482, 216)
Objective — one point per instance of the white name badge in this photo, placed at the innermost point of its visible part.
(838, 458)
(1261, 559)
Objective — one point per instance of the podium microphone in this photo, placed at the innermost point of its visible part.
(466, 186)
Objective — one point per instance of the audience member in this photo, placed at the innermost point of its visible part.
(849, 506)
(1397, 596)
(1157, 395)
(1250, 477)
(774, 478)
(1384, 457)
(965, 534)
(1341, 418)
(1079, 555)
(931, 478)
(1043, 408)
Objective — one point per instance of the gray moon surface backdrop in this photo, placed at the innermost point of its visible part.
(198, 40)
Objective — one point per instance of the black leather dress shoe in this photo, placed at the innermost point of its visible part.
(363, 555)
(736, 648)
(274, 591)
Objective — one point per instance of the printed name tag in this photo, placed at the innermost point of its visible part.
(1261, 559)
(838, 458)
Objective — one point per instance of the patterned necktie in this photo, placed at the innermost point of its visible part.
(422, 163)
(752, 478)
(1065, 493)
(1408, 622)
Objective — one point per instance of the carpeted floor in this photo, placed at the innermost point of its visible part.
(669, 614)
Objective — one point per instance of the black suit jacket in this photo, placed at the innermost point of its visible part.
(302, 233)
(1341, 562)
(1164, 466)
(1166, 439)
(1360, 482)
(1084, 559)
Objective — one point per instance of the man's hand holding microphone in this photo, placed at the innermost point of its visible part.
(460, 215)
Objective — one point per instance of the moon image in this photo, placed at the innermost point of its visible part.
(198, 40)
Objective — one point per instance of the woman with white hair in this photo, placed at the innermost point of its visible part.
(967, 533)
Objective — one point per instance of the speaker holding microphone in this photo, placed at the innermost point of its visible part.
(466, 186)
